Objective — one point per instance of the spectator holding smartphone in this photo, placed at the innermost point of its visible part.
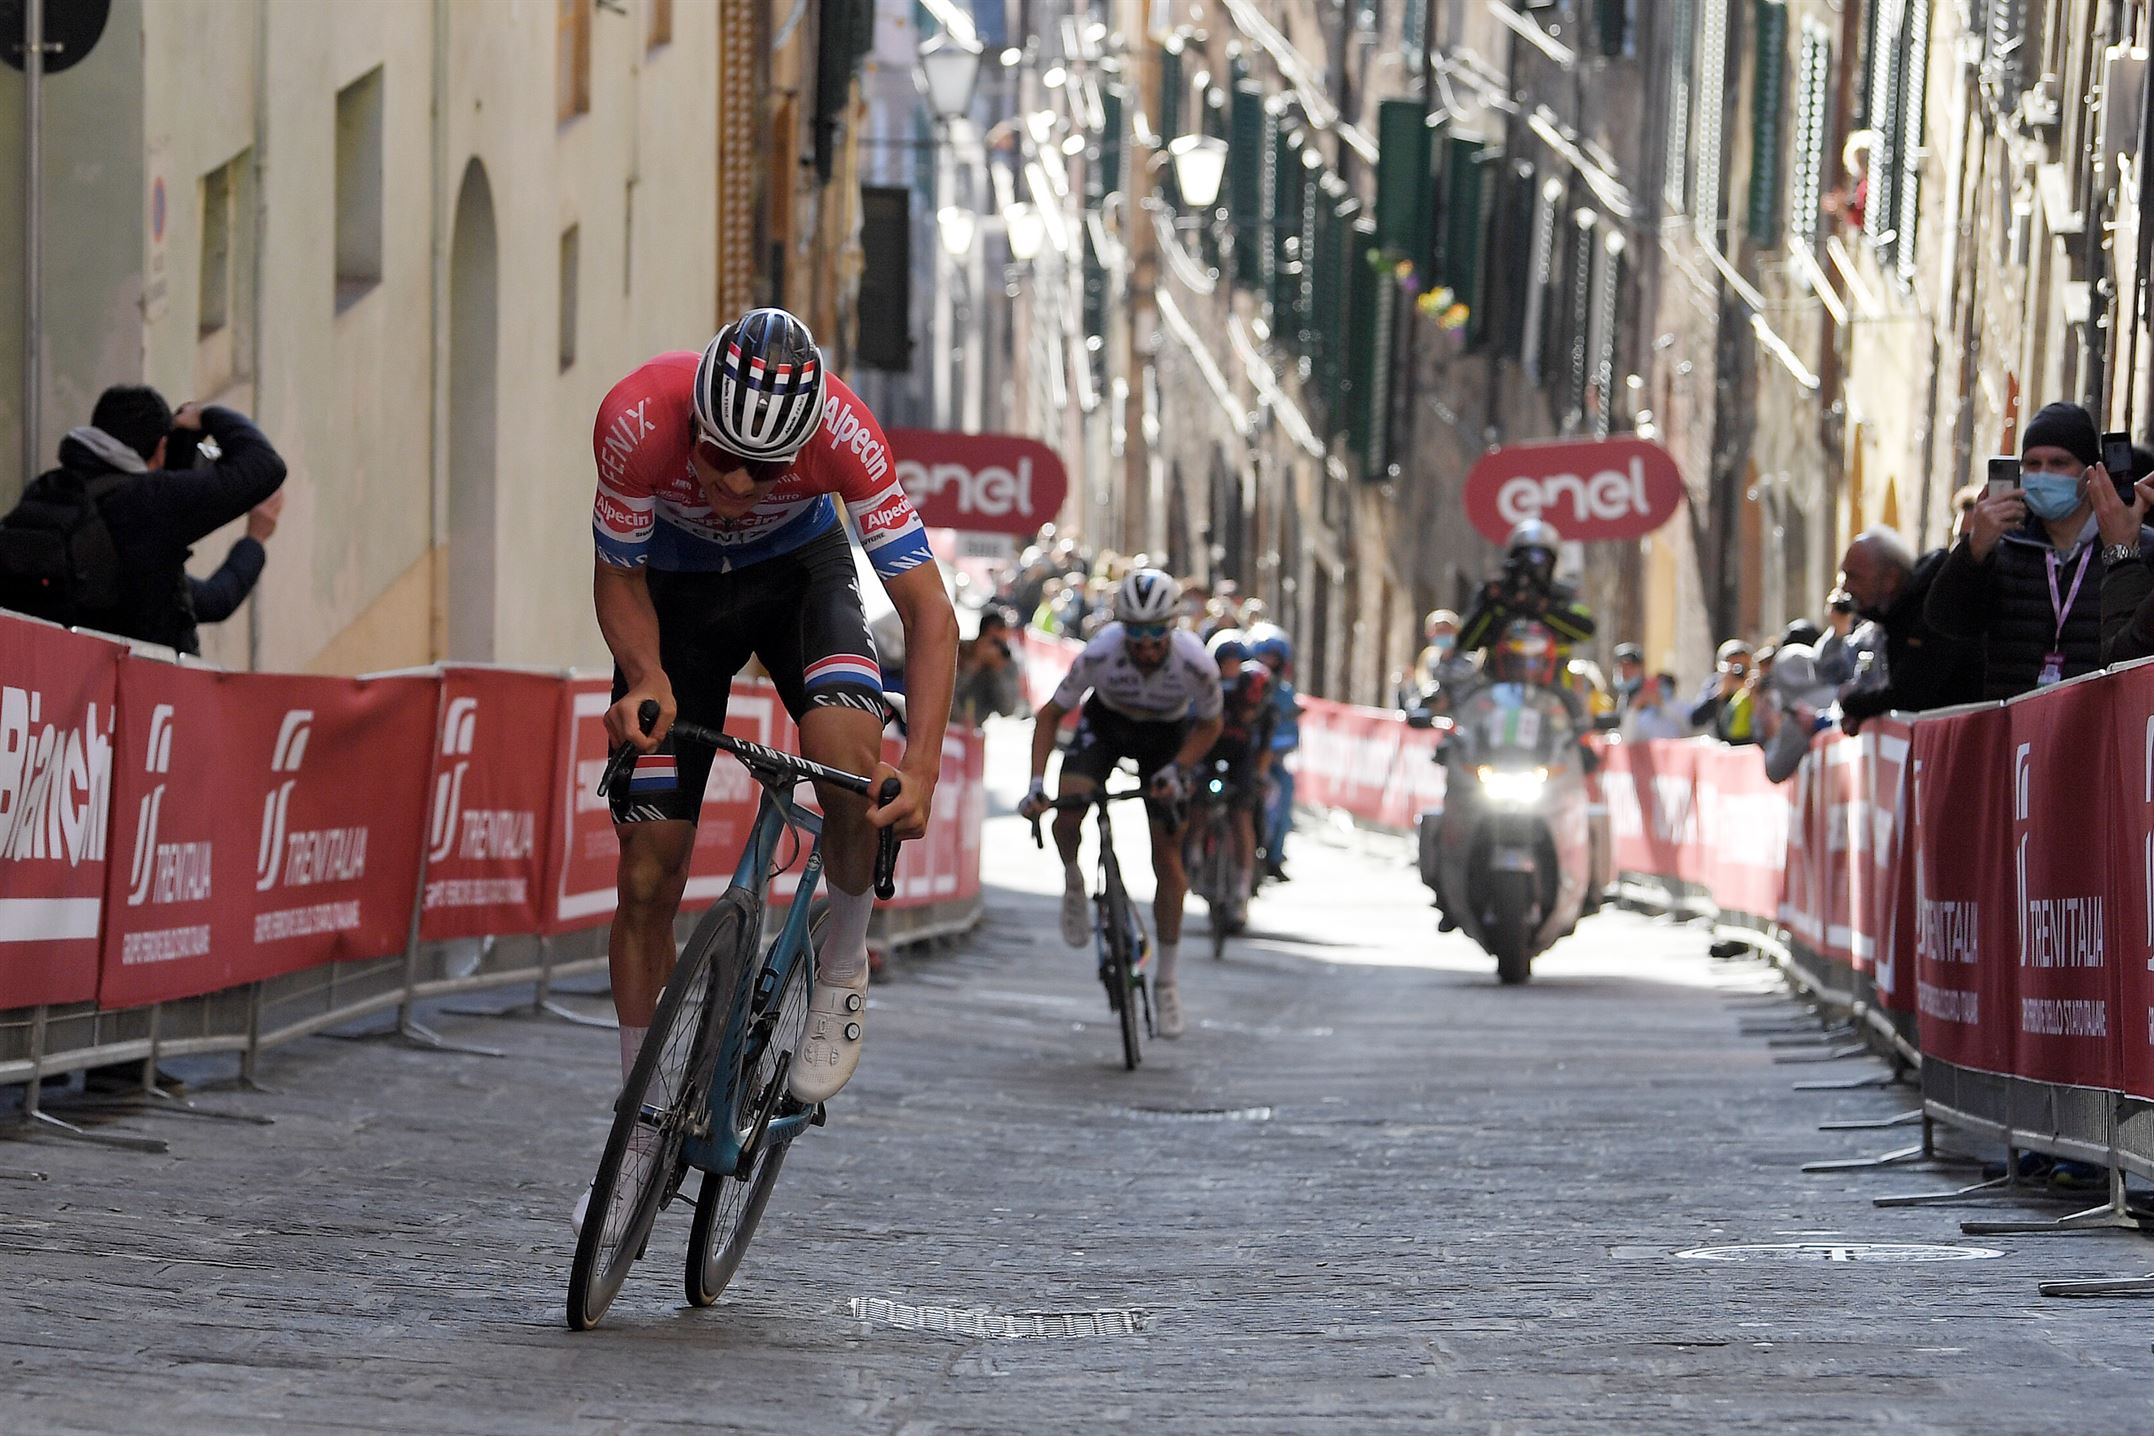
(2026, 582)
(2128, 582)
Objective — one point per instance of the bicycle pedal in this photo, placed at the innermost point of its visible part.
(821, 1117)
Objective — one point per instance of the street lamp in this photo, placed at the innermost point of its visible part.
(1200, 163)
(957, 225)
(949, 67)
(1026, 231)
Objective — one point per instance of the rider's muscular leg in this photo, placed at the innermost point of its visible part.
(1069, 822)
(640, 950)
(852, 740)
(1171, 883)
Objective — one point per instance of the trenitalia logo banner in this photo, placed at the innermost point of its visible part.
(495, 773)
(979, 483)
(270, 823)
(1609, 489)
(57, 691)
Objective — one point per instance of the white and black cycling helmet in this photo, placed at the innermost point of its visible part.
(1148, 596)
(759, 388)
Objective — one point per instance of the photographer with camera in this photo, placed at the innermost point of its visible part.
(103, 540)
(987, 673)
(1527, 588)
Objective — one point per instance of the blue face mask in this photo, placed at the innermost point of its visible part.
(2051, 496)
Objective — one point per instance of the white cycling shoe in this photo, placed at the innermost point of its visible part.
(830, 1049)
(1167, 1008)
(1076, 916)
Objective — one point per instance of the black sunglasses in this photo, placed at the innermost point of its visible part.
(725, 461)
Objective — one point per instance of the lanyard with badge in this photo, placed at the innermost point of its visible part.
(2060, 609)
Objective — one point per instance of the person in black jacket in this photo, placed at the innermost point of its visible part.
(2128, 586)
(2026, 581)
(167, 504)
(1924, 669)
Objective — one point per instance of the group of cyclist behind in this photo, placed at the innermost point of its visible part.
(1205, 711)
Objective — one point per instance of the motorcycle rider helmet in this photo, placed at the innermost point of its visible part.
(1534, 544)
(1147, 596)
(1227, 647)
(1525, 654)
(759, 386)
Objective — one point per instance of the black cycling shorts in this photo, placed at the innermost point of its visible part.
(1104, 738)
(798, 614)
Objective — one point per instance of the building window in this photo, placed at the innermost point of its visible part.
(1710, 105)
(214, 310)
(1813, 117)
(570, 243)
(1899, 68)
(1682, 59)
(359, 180)
(572, 59)
(658, 17)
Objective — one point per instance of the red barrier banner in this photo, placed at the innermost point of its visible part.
(1046, 659)
(2070, 925)
(1651, 790)
(581, 855)
(1965, 936)
(321, 782)
(1889, 918)
(174, 922)
(1742, 823)
(496, 781)
(2131, 876)
(56, 733)
(1366, 762)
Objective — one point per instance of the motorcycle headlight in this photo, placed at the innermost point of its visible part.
(1512, 787)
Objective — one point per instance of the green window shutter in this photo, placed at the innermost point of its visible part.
(1464, 219)
(1404, 142)
(1914, 82)
(1171, 90)
(1372, 312)
(1095, 288)
(1414, 25)
(1614, 26)
(1268, 183)
(1768, 105)
(1333, 285)
(1312, 203)
(1285, 230)
(1111, 140)
(1813, 68)
(1245, 179)
(1711, 107)
(1682, 67)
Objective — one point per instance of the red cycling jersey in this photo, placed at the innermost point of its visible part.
(649, 509)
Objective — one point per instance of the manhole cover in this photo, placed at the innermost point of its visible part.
(1202, 1114)
(1888, 1253)
(973, 1322)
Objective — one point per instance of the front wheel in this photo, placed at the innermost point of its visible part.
(1122, 987)
(665, 1094)
(728, 1209)
(1510, 926)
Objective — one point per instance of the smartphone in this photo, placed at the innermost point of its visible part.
(2003, 474)
(2117, 459)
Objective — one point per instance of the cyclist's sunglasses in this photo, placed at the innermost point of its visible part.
(760, 471)
(1144, 631)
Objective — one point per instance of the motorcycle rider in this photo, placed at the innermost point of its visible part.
(1527, 588)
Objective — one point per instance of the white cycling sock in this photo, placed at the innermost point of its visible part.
(844, 958)
(1168, 952)
(631, 1044)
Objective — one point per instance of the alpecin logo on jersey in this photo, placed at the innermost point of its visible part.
(847, 430)
(891, 516)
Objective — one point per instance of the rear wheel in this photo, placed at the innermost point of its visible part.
(664, 1095)
(728, 1209)
(1510, 926)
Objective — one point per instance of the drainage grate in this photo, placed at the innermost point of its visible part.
(1202, 1114)
(1021, 1326)
(1887, 1253)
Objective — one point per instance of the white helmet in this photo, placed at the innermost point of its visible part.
(1148, 596)
(759, 386)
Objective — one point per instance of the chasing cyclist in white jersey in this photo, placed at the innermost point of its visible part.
(1155, 697)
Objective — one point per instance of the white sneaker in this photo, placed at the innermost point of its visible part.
(830, 1050)
(1076, 916)
(1167, 1008)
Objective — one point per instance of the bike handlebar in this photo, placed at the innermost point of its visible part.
(760, 761)
(1082, 804)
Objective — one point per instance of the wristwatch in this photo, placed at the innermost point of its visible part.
(2116, 553)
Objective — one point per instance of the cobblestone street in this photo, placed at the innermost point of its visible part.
(1369, 1190)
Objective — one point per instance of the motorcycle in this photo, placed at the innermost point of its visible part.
(1509, 855)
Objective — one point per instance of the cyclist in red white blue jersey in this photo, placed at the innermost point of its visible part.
(718, 539)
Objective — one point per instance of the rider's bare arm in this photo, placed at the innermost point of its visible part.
(930, 673)
(626, 617)
(1202, 735)
(1044, 725)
